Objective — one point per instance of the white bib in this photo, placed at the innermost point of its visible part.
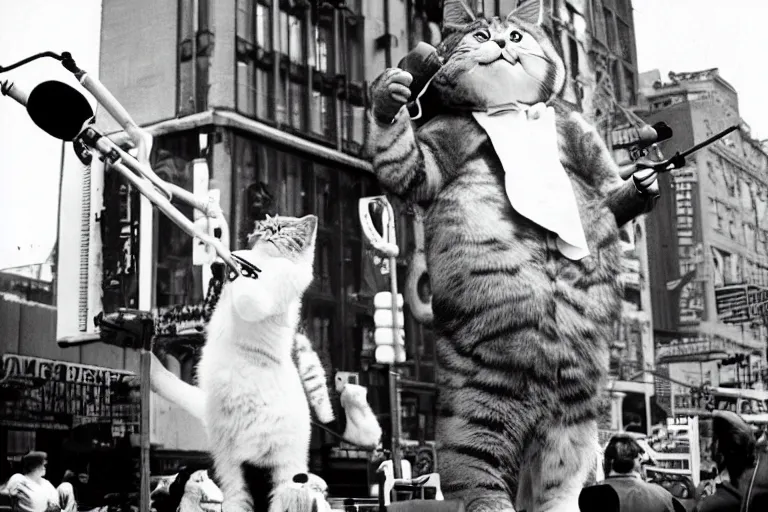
(536, 183)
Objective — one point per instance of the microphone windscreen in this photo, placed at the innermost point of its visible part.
(663, 132)
(58, 109)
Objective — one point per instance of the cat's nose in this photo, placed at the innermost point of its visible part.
(501, 42)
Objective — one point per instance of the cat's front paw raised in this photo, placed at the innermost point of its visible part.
(389, 92)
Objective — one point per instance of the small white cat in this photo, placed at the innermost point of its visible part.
(256, 410)
(256, 414)
(360, 430)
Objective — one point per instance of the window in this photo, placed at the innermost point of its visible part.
(195, 49)
(598, 21)
(291, 104)
(120, 242)
(321, 109)
(178, 281)
(628, 86)
(255, 87)
(749, 235)
(626, 41)
(423, 22)
(712, 211)
(623, 8)
(352, 95)
(610, 29)
(573, 57)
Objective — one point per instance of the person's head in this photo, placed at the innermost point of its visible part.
(733, 444)
(33, 464)
(69, 477)
(623, 455)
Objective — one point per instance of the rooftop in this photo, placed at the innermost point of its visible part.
(685, 77)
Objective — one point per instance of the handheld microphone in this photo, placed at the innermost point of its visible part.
(641, 137)
(58, 109)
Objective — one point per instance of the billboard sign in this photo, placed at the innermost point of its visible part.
(741, 303)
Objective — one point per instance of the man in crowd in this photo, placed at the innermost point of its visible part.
(733, 450)
(29, 490)
(623, 459)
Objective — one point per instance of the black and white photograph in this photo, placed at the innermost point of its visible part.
(383, 256)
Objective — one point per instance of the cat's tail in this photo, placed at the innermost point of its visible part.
(167, 385)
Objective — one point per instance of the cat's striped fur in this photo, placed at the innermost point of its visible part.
(313, 377)
(523, 331)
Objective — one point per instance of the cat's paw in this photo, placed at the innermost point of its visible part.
(324, 411)
(646, 181)
(389, 92)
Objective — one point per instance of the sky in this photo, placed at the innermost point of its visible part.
(672, 35)
(30, 158)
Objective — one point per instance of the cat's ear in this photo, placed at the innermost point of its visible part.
(456, 14)
(307, 226)
(528, 11)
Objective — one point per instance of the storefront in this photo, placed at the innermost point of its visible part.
(82, 416)
(85, 416)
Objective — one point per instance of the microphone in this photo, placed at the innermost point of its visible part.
(58, 109)
(663, 131)
(641, 137)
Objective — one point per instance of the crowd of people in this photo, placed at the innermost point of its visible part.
(741, 481)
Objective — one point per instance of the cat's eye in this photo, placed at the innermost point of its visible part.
(515, 36)
(483, 35)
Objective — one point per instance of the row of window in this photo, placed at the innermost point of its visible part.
(305, 71)
(611, 26)
(735, 269)
(750, 194)
(308, 76)
(727, 220)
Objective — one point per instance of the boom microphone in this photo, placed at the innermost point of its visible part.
(58, 109)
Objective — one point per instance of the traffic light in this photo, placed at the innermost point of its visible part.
(383, 336)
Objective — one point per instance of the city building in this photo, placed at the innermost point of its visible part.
(709, 267)
(272, 96)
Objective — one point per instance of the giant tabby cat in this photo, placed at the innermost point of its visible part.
(523, 330)
(256, 411)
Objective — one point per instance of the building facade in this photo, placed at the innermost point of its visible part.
(273, 95)
(75, 404)
(709, 277)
